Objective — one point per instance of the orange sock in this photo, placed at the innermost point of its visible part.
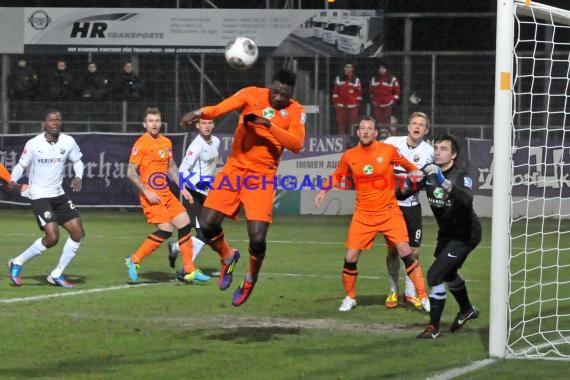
(415, 274)
(254, 266)
(148, 246)
(185, 244)
(219, 244)
(349, 281)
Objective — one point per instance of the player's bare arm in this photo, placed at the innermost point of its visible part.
(320, 197)
(133, 175)
(174, 176)
(77, 182)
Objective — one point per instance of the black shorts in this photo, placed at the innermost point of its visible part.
(449, 257)
(59, 209)
(413, 218)
(194, 209)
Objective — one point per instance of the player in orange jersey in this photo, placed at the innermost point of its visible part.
(369, 167)
(270, 121)
(4, 174)
(150, 167)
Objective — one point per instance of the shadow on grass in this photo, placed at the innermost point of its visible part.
(253, 334)
(104, 366)
(42, 280)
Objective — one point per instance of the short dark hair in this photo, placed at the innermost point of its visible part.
(285, 76)
(50, 111)
(452, 139)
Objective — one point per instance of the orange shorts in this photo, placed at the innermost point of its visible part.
(364, 228)
(234, 187)
(168, 208)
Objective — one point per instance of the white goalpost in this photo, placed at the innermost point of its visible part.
(530, 264)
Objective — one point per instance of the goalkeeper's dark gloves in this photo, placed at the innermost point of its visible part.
(435, 177)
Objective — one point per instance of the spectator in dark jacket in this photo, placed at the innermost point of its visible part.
(128, 85)
(92, 86)
(22, 82)
(59, 84)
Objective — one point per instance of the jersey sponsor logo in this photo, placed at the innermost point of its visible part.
(467, 182)
(135, 151)
(368, 169)
(438, 193)
(268, 113)
(50, 160)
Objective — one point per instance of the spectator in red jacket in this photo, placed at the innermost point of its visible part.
(384, 94)
(347, 95)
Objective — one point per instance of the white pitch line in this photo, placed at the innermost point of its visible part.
(71, 293)
(453, 373)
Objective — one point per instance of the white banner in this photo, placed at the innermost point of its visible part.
(131, 30)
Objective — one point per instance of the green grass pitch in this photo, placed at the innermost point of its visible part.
(290, 328)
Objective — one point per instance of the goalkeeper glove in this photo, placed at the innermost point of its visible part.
(435, 177)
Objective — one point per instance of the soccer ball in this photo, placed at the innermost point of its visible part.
(241, 53)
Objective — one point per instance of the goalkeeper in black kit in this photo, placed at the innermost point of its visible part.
(448, 189)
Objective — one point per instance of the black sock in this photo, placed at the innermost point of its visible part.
(436, 310)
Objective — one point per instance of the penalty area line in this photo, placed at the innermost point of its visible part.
(72, 293)
(453, 373)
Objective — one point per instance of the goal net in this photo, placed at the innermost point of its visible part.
(537, 299)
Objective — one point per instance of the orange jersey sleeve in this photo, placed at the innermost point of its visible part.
(152, 156)
(400, 160)
(4, 174)
(257, 147)
(373, 176)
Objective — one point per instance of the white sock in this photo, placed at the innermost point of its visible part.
(393, 266)
(197, 246)
(69, 251)
(37, 248)
(410, 288)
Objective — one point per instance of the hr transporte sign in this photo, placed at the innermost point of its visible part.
(141, 30)
(130, 30)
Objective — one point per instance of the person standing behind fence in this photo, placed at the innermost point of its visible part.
(127, 85)
(198, 167)
(346, 98)
(59, 84)
(46, 156)
(22, 82)
(384, 95)
(92, 85)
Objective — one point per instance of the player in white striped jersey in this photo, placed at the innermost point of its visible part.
(197, 172)
(46, 155)
(416, 150)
